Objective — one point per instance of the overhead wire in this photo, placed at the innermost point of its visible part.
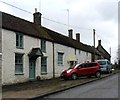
(50, 19)
(45, 17)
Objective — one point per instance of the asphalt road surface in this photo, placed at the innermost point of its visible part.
(104, 88)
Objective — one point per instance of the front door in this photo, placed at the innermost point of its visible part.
(32, 70)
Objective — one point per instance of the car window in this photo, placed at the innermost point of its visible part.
(102, 62)
(94, 64)
(86, 65)
(82, 65)
(89, 65)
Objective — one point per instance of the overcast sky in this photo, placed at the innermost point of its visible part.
(84, 16)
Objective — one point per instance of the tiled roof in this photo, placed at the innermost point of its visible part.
(16, 24)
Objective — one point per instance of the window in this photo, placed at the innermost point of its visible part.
(43, 65)
(91, 64)
(86, 53)
(102, 62)
(43, 45)
(19, 40)
(18, 63)
(60, 58)
(82, 65)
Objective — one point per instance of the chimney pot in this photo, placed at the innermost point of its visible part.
(78, 37)
(70, 33)
(35, 10)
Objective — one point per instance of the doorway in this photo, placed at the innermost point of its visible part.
(32, 69)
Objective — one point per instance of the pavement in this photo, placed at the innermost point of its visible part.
(39, 89)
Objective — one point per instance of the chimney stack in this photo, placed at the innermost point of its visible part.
(70, 33)
(99, 42)
(78, 37)
(37, 17)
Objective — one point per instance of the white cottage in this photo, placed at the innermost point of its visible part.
(31, 51)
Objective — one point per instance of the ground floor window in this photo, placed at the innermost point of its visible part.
(43, 65)
(18, 63)
(60, 58)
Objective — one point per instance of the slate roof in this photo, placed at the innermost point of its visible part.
(16, 24)
(103, 52)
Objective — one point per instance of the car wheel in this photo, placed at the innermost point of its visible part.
(74, 76)
(97, 74)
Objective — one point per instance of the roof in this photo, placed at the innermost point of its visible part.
(16, 24)
(35, 52)
(104, 53)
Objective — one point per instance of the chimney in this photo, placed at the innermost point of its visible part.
(78, 37)
(37, 17)
(99, 42)
(70, 33)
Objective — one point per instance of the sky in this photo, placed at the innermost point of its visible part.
(80, 15)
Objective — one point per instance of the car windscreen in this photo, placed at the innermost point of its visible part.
(102, 62)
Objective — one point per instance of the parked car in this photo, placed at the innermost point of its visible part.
(105, 65)
(84, 69)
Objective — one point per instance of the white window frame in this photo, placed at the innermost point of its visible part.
(18, 63)
(60, 60)
(19, 41)
(44, 65)
(43, 45)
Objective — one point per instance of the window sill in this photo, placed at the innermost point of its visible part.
(45, 73)
(19, 47)
(60, 65)
(19, 74)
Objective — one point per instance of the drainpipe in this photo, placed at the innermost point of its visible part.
(53, 61)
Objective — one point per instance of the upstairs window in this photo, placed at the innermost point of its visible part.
(86, 53)
(19, 40)
(43, 45)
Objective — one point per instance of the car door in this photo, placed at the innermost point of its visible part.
(87, 69)
(80, 70)
(92, 68)
(83, 69)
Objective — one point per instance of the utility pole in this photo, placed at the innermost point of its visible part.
(39, 5)
(68, 18)
(110, 54)
(94, 44)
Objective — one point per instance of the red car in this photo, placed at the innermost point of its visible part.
(84, 69)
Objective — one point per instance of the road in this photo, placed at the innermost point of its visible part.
(104, 88)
